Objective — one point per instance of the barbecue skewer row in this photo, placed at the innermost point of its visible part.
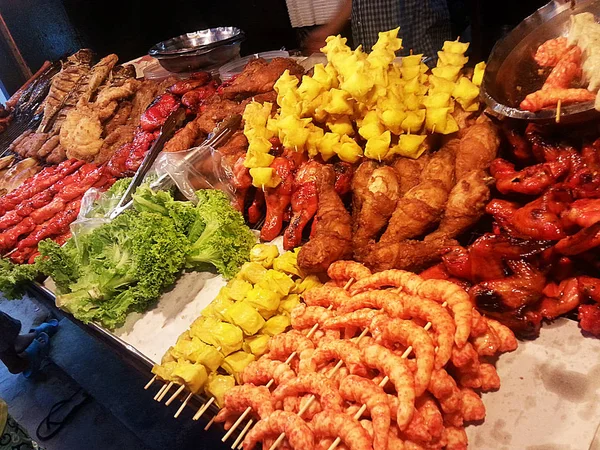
(270, 383)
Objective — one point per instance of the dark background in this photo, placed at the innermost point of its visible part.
(49, 29)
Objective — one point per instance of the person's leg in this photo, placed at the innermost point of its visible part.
(23, 341)
(14, 362)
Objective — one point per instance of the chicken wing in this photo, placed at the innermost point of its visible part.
(409, 172)
(407, 255)
(478, 148)
(332, 239)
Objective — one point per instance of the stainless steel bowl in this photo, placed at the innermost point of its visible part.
(512, 73)
(201, 59)
(198, 40)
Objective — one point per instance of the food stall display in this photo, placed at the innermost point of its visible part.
(415, 235)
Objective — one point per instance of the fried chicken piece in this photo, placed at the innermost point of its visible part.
(28, 144)
(378, 204)
(184, 138)
(407, 255)
(409, 172)
(478, 148)
(466, 205)
(236, 144)
(119, 118)
(146, 92)
(259, 76)
(48, 146)
(278, 199)
(81, 134)
(464, 119)
(214, 111)
(119, 136)
(304, 203)
(359, 186)
(332, 239)
(441, 165)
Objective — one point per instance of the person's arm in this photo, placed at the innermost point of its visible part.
(316, 38)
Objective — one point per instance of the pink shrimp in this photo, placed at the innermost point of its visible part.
(507, 340)
(386, 300)
(281, 346)
(396, 369)
(472, 408)
(444, 389)
(306, 316)
(394, 442)
(365, 392)
(338, 424)
(345, 270)
(389, 278)
(360, 318)
(344, 350)
(297, 432)
(238, 398)
(262, 371)
(313, 383)
(326, 296)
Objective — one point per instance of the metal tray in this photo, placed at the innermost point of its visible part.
(197, 41)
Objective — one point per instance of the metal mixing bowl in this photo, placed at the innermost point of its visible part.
(512, 73)
(198, 50)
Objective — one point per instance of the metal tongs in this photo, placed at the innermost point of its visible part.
(221, 133)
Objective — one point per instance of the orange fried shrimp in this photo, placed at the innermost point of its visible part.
(325, 443)
(238, 398)
(321, 336)
(298, 404)
(456, 438)
(297, 432)
(396, 369)
(408, 334)
(479, 324)
(567, 69)
(344, 350)
(444, 389)
(260, 372)
(363, 391)
(360, 318)
(465, 357)
(432, 415)
(326, 296)
(337, 424)
(507, 342)
(313, 383)
(490, 381)
(337, 377)
(441, 322)
(487, 344)
(394, 442)
(281, 346)
(550, 52)
(543, 98)
(457, 299)
(416, 429)
(388, 278)
(345, 270)
(306, 316)
(386, 300)
(472, 408)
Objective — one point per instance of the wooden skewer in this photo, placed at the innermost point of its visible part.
(240, 438)
(209, 424)
(287, 361)
(183, 405)
(203, 409)
(152, 380)
(160, 391)
(164, 393)
(175, 395)
(558, 105)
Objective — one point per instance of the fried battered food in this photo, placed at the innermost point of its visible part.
(407, 255)
(281, 346)
(477, 148)
(264, 370)
(432, 416)
(398, 372)
(416, 429)
(184, 138)
(466, 357)
(112, 93)
(388, 278)
(259, 76)
(332, 239)
(365, 392)
(96, 77)
(306, 316)
(360, 318)
(336, 424)
(380, 196)
(443, 387)
(386, 300)
(410, 334)
(359, 186)
(120, 118)
(142, 99)
(240, 397)
(326, 296)
(466, 205)
(343, 271)
(297, 432)
(81, 134)
(313, 383)
(214, 110)
(113, 141)
(541, 99)
(486, 344)
(409, 172)
(490, 380)
(440, 165)
(344, 350)
(507, 339)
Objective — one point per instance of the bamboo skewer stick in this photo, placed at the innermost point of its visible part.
(175, 395)
(164, 393)
(183, 405)
(203, 409)
(287, 361)
(160, 391)
(558, 105)
(152, 380)
(240, 438)
(209, 424)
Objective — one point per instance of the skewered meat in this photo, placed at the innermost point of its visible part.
(264, 370)
(477, 149)
(158, 112)
(407, 255)
(332, 239)
(390, 302)
(313, 383)
(541, 99)
(343, 271)
(551, 52)
(326, 296)
(297, 432)
(304, 203)
(278, 199)
(344, 350)
(348, 429)
(240, 397)
(281, 346)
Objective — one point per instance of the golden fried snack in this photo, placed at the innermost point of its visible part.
(264, 370)
(416, 430)
(479, 325)
(326, 296)
(466, 205)
(238, 398)
(343, 271)
(440, 166)
(507, 340)
(408, 281)
(297, 432)
(385, 300)
(337, 424)
(478, 148)
(407, 255)
(486, 344)
(409, 172)
(490, 381)
(456, 438)
(443, 387)
(432, 415)
(313, 383)
(466, 357)
(365, 392)
(332, 240)
(344, 350)
(295, 404)
(360, 187)
(81, 134)
(306, 316)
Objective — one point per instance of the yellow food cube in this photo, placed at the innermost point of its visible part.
(449, 73)
(246, 317)
(257, 345)
(265, 301)
(478, 73)
(414, 121)
(235, 363)
(455, 47)
(437, 100)
(196, 351)
(379, 59)
(412, 60)
(277, 281)
(472, 107)
(264, 254)
(348, 150)
(285, 83)
(389, 41)
(359, 83)
(192, 376)
(304, 284)
(309, 89)
(436, 118)
(288, 263)
(451, 126)
(392, 119)
(252, 272)
(465, 90)
(312, 143)
(288, 303)
(216, 309)
(295, 138)
(328, 145)
(342, 126)
(256, 159)
(264, 177)
(218, 385)
(412, 102)
(410, 72)
(276, 325)
(410, 145)
(333, 75)
(225, 336)
(164, 370)
(322, 76)
(256, 115)
(378, 147)
(335, 44)
(413, 86)
(370, 126)
(440, 85)
(340, 103)
(451, 59)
